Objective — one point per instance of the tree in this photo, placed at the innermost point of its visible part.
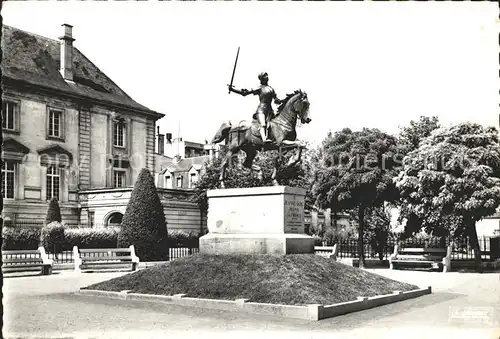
(53, 212)
(452, 181)
(377, 227)
(411, 136)
(354, 170)
(239, 177)
(144, 224)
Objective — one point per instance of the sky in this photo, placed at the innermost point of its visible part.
(362, 64)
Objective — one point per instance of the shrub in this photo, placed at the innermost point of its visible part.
(179, 238)
(318, 241)
(14, 238)
(90, 238)
(144, 224)
(53, 212)
(52, 237)
(330, 237)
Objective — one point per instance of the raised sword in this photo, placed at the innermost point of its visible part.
(234, 69)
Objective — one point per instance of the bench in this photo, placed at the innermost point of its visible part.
(326, 251)
(26, 260)
(438, 258)
(107, 258)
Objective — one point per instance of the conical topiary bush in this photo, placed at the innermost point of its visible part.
(52, 234)
(53, 212)
(144, 224)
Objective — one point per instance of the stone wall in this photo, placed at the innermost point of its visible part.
(33, 212)
(180, 213)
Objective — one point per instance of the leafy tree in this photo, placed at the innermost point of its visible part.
(452, 181)
(411, 136)
(144, 224)
(53, 212)
(354, 170)
(237, 176)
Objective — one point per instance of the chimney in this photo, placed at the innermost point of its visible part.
(177, 159)
(161, 142)
(66, 68)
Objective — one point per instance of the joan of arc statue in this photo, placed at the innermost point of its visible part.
(265, 110)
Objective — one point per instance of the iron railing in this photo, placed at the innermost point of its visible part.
(461, 248)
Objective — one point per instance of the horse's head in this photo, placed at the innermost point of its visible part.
(300, 105)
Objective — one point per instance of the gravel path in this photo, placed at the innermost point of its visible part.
(45, 306)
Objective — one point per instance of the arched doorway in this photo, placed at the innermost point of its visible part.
(114, 219)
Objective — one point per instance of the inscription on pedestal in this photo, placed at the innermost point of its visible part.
(294, 214)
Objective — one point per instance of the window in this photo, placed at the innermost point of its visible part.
(53, 182)
(119, 135)
(9, 115)
(55, 123)
(192, 180)
(179, 182)
(8, 179)
(119, 179)
(168, 181)
(115, 219)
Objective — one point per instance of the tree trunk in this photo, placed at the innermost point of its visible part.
(475, 246)
(442, 242)
(360, 236)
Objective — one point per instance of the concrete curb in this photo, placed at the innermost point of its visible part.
(307, 312)
(369, 262)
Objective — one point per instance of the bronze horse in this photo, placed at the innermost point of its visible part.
(246, 136)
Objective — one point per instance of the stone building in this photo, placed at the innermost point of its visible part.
(179, 173)
(71, 133)
(179, 163)
(188, 149)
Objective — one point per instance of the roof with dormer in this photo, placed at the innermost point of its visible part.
(184, 165)
(33, 61)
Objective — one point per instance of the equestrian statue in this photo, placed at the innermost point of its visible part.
(266, 131)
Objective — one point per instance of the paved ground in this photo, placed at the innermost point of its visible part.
(45, 306)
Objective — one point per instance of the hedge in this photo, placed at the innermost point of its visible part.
(90, 238)
(179, 238)
(15, 238)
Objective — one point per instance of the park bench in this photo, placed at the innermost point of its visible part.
(26, 261)
(326, 251)
(437, 258)
(105, 258)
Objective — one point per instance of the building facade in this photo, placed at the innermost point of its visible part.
(179, 164)
(178, 173)
(188, 149)
(70, 133)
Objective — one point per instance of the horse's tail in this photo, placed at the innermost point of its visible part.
(222, 133)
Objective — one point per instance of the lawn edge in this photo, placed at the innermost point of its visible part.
(308, 312)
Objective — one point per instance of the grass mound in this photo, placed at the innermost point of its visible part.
(295, 279)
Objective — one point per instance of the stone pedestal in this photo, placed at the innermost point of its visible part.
(259, 220)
